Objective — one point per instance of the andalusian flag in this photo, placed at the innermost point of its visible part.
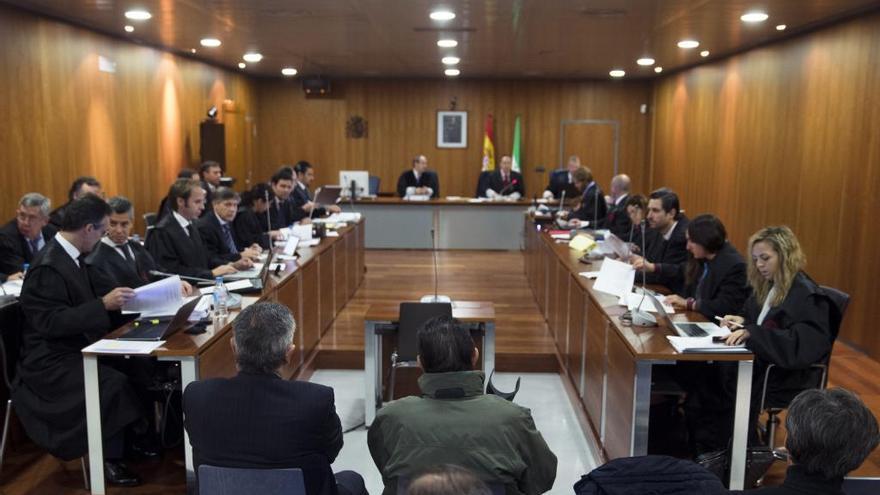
(488, 146)
(516, 153)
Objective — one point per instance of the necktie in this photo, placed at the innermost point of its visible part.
(227, 238)
(191, 230)
(35, 245)
(125, 252)
(82, 269)
(506, 179)
(702, 278)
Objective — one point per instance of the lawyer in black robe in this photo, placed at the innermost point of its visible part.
(63, 314)
(495, 182)
(425, 179)
(668, 255)
(617, 220)
(179, 252)
(119, 271)
(592, 205)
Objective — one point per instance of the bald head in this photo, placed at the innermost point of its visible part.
(620, 185)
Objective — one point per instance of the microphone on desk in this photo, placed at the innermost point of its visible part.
(436, 298)
(157, 273)
(268, 218)
(508, 186)
(643, 318)
(314, 204)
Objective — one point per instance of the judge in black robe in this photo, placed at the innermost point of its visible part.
(495, 181)
(63, 314)
(418, 177)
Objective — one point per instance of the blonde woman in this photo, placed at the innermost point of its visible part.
(786, 321)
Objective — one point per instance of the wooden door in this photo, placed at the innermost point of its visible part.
(596, 142)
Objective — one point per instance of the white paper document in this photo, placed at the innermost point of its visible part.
(285, 257)
(12, 288)
(129, 347)
(703, 344)
(344, 217)
(332, 233)
(589, 274)
(238, 284)
(615, 278)
(304, 232)
(290, 245)
(310, 242)
(160, 298)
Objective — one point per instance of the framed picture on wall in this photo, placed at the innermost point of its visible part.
(451, 129)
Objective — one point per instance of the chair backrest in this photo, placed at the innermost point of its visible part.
(839, 301)
(413, 317)
(215, 480)
(374, 185)
(150, 219)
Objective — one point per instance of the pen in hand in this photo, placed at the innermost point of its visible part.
(733, 324)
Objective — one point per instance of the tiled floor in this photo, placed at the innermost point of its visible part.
(543, 393)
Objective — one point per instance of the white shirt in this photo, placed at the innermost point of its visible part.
(669, 232)
(182, 221)
(620, 199)
(766, 308)
(69, 248)
(118, 247)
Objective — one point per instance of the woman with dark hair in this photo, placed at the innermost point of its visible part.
(714, 274)
(246, 226)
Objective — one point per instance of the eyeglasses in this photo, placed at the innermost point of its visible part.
(27, 218)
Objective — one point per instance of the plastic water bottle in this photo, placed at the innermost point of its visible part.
(221, 299)
(24, 269)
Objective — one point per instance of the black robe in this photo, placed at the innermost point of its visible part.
(247, 230)
(282, 214)
(63, 314)
(669, 255)
(178, 252)
(592, 206)
(617, 220)
(116, 271)
(494, 181)
(14, 248)
(725, 287)
(301, 196)
(426, 179)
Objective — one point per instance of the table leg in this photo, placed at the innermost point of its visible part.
(370, 372)
(93, 424)
(641, 408)
(489, 348)
(741, 425)
(188, 374)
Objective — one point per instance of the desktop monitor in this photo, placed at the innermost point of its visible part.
(361, 179)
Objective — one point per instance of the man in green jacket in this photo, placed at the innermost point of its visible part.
(454, 422)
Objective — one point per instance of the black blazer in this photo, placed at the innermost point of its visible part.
(117, 271)
(493, 181)
(559, 182)
(178, 252)
(617, 220)
(301, 196)
(247, 230)
(794, 335)
(14, 248)
(593, 205)
(63, 314)
(427, 179)
(56, 216)
(669, 255)
(725, 288)
(261, 421)
(282, 214)
(209, 200)
(212, 237)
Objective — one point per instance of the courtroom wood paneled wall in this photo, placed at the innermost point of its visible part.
(401, 121)
(133, 129)
(787, 134)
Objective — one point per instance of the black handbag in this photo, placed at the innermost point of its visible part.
(758, 462)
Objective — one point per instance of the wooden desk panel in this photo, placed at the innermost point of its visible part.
(574, 355)
(311, 306)
(594, 365)
(340, 284)
(326, 308)
(619, 399)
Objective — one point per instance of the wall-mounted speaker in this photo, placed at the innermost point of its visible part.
(316, 86)
(213, 142)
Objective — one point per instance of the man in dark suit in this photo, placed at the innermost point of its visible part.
(419, 181)
(210, 173)
(504, 182)
(24, 236)
(301, 194)
(276, 423)
(175, 242)
(80, 187)
(283, 211)
(592, 207)
(667, 250)
(122, 261)
(62, 315)
(217, 231)
(562, 180)
(617, 220)
(247, 226)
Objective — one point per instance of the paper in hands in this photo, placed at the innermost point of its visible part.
(615, 278)
(160, 298)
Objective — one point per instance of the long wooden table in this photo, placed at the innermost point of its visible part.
(396, 223)
(315, 288)
(608, 364)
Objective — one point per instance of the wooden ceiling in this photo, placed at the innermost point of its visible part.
(497, 38)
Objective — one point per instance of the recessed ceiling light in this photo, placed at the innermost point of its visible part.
(704, 53)
(781, 27)
(210, 42)
(252, 57)
(442, 15)
(658, 69)
(129, 28)
(452, 72)
(288, 71)
(645, 61)
(138, 15)
(754, 16)
(688, 44)
(617, 73)
(242, 65)
(447, 43)
(450, 60)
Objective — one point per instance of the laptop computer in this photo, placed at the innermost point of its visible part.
(328, 195)
(148, 330)
(258, 281)
(681, 328)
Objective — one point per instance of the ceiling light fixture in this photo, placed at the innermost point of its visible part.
(210, 42)
(688, 44)
(658, 69)
(288, 71)
(138, 15)
(617, 73)
(645, 61)
(754, 16)
(450, 60)
(704, 53)
(452, 72)
(129, 28)
(447, 43)
(442, 15)
(252, 57)
(781, 27)
(242, 65)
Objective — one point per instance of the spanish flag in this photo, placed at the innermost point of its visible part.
(488, 146)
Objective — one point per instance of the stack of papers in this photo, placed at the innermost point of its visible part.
(703, 344)
(343, 217)
(238, 284)
(615, 278)
(160, 298)
(129, 347)
(12, 288)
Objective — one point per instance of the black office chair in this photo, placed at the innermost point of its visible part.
(215, 480)
(413, 317)
(839, 303)
(150, 219)
(374, 185)
(10, 342)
